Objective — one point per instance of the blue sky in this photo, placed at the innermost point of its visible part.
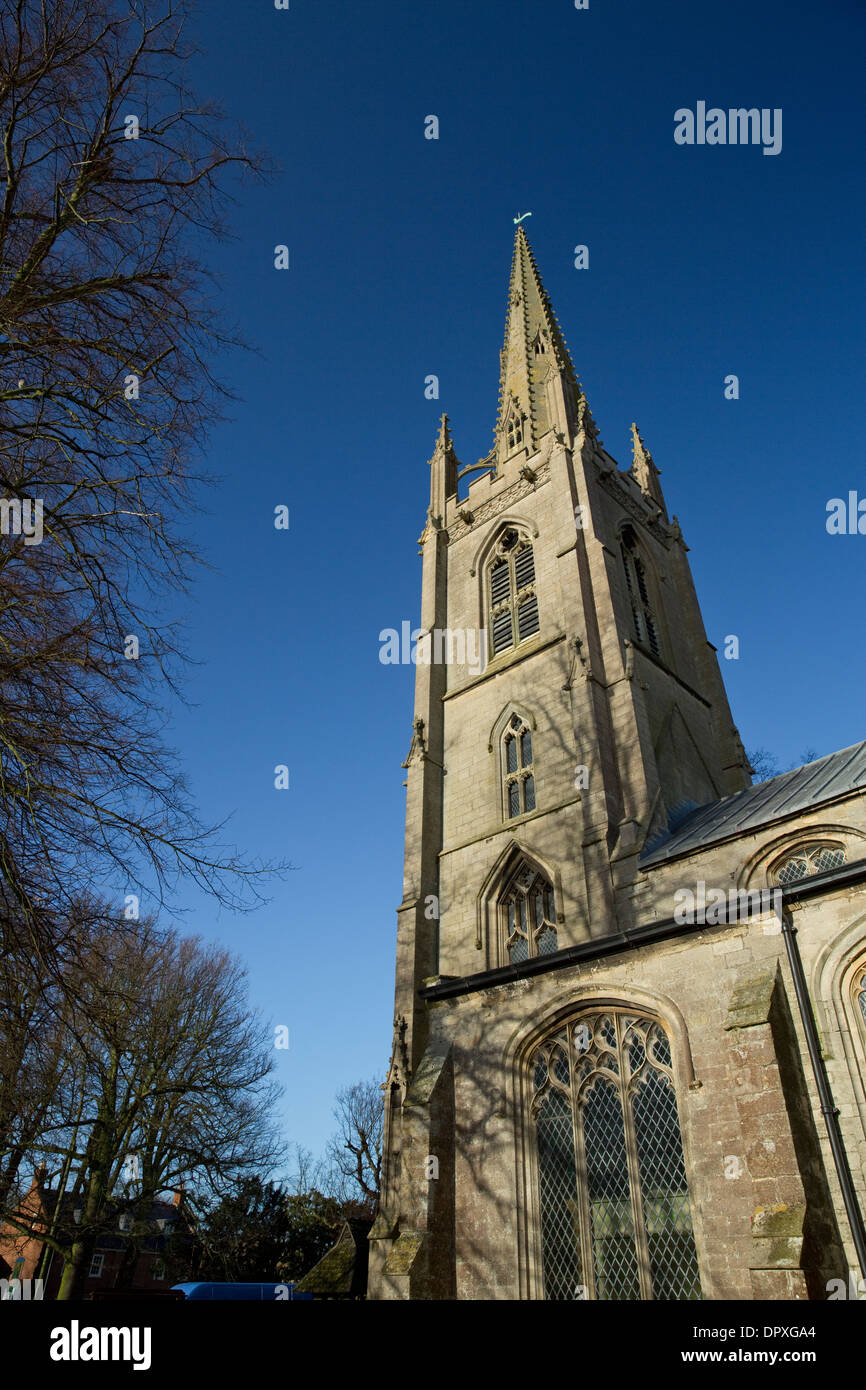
(704, 261)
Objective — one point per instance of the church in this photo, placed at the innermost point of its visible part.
(596, 1092)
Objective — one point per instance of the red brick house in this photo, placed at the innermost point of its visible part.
(30, 1257)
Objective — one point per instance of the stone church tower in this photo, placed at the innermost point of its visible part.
(601, 1084)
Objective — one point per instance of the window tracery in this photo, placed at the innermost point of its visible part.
(528, 916)
(513, 601)
(518, 770)
(643, 618)
(809, 859)
(615, 1213)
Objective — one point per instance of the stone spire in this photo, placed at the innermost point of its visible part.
(534, 354)
(645, 473)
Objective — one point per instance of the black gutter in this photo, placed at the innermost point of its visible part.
(650, 932)
(450, 988)
(817, 884)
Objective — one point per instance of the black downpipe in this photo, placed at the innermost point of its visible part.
(825, 1094)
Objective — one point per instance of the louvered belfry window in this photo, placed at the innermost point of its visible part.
(616, 1220)
(643, 619)
(513, 599)
(528, 916)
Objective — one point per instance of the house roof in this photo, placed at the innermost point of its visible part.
(342, 1270)
(792, 793)
(111, 1237)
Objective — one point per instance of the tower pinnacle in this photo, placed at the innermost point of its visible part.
(644, 471)
(443, 472)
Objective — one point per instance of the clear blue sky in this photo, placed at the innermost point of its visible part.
(703, 262)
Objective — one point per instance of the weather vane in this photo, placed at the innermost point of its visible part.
(521, 217)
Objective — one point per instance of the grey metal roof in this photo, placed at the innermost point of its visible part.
(793, 792)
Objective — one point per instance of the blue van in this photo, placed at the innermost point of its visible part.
(258, 1293)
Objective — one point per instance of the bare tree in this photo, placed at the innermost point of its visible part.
(765, 764)
(112, 180)
(164, 1061)
(35, 1060)
(355, 1151)
(308, 1174)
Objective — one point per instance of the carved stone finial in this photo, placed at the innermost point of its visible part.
(578, 655)
(629, 659)
(444, 468)
(585, 423)
(443, 439)
(645, 473)
(418, 745)
(398, 1070)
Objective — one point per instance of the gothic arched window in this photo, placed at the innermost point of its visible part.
(860, 995)
(806, 860)
(518, 773)
(645, 625)
(513, 600)
(616, 1219)
(528, 916)
(514, 427)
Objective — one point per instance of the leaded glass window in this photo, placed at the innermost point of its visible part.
(643, 619)
(808, 860)
(860, 994)
(513, 597)
(517, 768)
(528, 916)
(616, 1220)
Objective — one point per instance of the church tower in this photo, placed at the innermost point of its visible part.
(570, 716)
